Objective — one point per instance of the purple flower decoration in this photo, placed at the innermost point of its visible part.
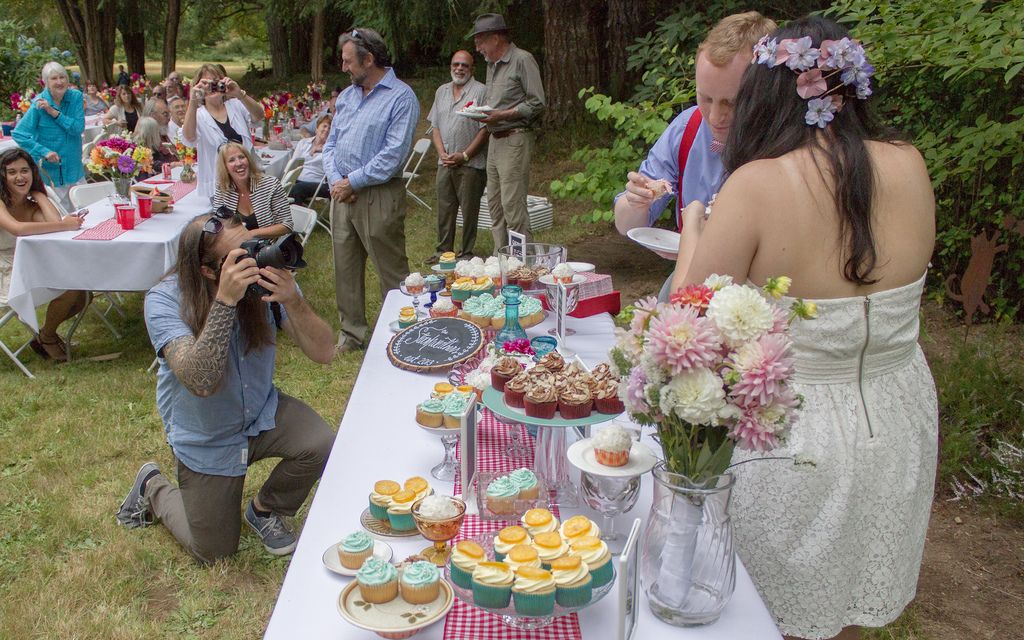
(764, 52)
(125, 164)
(810, 84)
(801, 54)
(820, 111)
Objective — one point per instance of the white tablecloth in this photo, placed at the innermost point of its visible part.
(7, 143)
(274, 160)
(47, 264)
(378, 439)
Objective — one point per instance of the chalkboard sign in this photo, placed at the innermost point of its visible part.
(435, 344)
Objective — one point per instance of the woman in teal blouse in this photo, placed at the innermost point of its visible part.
(51, 130)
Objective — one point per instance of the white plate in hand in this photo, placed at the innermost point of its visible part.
(472, 115)
(654, 239)
(331, 560)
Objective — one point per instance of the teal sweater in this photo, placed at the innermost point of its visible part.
(39, 134)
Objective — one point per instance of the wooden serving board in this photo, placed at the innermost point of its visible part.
(435, 344)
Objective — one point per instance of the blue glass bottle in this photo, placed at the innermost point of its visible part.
(512, 329)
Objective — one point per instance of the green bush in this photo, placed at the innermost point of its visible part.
(21, 61)
(949, 76)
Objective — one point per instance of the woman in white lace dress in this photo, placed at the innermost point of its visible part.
(819, 193)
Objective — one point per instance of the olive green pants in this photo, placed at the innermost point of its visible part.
(508, 180)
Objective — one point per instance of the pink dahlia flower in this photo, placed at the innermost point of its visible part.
(679, 339)
(635, 400)
(763, 366)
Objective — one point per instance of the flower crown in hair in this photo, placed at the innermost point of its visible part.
(815, 66)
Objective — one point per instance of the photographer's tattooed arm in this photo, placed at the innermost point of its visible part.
(200, 362)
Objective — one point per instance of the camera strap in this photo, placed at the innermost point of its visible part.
(275, 309)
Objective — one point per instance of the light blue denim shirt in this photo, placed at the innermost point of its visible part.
(39, 133)
(211, 435)
(371, 136)
(703, 175)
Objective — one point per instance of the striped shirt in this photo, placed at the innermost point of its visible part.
(269, 203)
(371, 135)
(457, 132)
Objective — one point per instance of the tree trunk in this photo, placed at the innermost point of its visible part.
(133, 35)
(92, 26)
(171, 23)
(277, 36)
(316, 47)
(298, 44)
(574, 37)
(627, 21)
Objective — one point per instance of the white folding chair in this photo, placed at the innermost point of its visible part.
(87, 150)
(82, 195)
(89, 136)
(303, 222)
(419, 151)
(289, 179)
(12, 353)
(330, 209)
(55, 199)
(294, 161)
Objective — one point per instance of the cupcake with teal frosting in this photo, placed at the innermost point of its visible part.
(492, 585)
(533, 592)
(527, 482)
(378, 581)
(354, 549)
(454, 405)
(420, 582)
(501, 495)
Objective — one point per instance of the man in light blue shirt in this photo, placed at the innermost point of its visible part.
(687, 156)
(214, 336)
(371, 136)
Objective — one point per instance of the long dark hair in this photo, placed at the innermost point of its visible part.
(769, 122)
(197, 291)
(10, 156)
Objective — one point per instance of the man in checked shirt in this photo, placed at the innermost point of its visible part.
(371, 135)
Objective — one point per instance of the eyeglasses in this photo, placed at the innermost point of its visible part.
(355, 34)
(461, 64)
(215, 224)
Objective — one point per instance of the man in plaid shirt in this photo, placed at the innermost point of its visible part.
(370, 138)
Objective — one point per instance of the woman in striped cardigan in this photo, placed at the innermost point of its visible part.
(258, 198)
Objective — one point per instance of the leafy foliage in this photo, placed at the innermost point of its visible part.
(21, 60)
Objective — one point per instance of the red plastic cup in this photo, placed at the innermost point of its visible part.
(145, 206)
(167, 171)
(119, 213)
(127, 219)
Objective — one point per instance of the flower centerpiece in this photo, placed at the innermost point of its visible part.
(121, 160)
(709, 370)
(187, 156)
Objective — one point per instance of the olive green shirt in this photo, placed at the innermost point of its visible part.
(513, 82)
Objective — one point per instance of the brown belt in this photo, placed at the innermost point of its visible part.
(506, 133)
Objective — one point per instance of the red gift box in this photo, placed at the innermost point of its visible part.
(607, 303)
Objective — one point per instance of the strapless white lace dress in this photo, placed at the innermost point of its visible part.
(840, 543)
(7, 242)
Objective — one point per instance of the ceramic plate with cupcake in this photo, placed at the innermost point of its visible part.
(583, 454)
(345, 557)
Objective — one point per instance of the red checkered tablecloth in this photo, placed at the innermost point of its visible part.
(181, 189)
(106, 230)
(464, 621)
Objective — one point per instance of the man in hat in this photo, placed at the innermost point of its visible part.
(515, 92)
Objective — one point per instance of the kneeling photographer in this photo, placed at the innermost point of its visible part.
(212, 322)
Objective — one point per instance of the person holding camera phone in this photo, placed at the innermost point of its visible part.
(219, 111)
(214, 334)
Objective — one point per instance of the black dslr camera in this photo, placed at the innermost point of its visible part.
(281, 253)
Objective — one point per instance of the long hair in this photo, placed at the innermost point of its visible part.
(198, 291)
(133, 100)
(769, 122)
(147, 133)
(224, 182)
(13, 155)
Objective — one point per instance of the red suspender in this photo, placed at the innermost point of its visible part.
(689, 134)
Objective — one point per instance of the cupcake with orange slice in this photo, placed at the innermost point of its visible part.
(400, 511)
(577, 527)
(470, 389)
(465, 557)
(492, 585)
(507, 538)
(549, 546)
(406, 317)
(533, 592)
(380, 498)
(594, 553)
(539, 521)
(574, 586)
(522, 555)
(418, 486)
(441, 389)
(446, 260)
(462, 288)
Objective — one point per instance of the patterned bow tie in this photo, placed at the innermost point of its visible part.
(716, 146)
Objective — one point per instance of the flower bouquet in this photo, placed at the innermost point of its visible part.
(121, 160)
(187, 156)
(710, 369)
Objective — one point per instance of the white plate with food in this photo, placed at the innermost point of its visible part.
(641, 460)
(381, 550)
(472, 115)
(581, 267)
(661, 240)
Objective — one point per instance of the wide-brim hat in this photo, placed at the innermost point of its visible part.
(487, 22)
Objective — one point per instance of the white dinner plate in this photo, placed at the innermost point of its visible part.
(581, 267)
(641, 460)
(549, 280)
(381, 550)
(655, 239)
(472, 115)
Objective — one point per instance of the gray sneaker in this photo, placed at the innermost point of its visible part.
(277, 538)
(134, 511)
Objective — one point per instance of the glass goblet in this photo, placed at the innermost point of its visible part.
(439, 531)
(414, 292)
(572, 297)
(609, 496)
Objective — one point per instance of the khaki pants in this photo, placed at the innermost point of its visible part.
(508, 178)
(373, 226)
(458, 186)
(202, 512)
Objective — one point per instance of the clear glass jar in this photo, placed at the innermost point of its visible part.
(687, 558)
(512, 329)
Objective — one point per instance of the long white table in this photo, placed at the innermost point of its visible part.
(378, 439)
(274, 160)
(48, 264)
